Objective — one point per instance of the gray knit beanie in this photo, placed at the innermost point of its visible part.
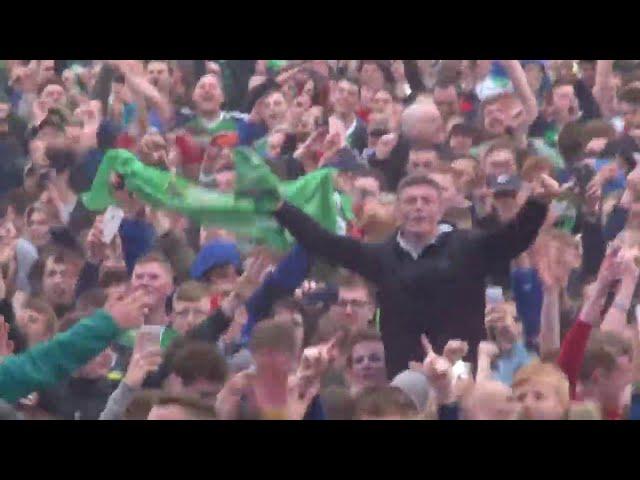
(415, 385)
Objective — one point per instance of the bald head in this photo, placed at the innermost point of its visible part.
(422, 125)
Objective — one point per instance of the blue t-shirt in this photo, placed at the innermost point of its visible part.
(508, 363)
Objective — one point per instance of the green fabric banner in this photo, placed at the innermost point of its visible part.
(247, 212)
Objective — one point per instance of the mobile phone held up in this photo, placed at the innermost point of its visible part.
(111, 224)
(494, 295)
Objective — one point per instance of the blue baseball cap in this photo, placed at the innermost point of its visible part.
(215, 254)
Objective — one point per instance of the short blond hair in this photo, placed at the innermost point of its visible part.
(544, 372)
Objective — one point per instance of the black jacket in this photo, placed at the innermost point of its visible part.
(442, 293)
(499, 273)
(392, 168)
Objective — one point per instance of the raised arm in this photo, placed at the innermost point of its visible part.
(616, 318)
(139, 85)
(439, 372)
(553, 276)
(593, 247)
(522, 90)
(212, 328)
(487, 353)
(219, 322)
(175, 246)
(516, 236)
(412, 73)
(344, 251)
(575, 342)
(550, 320)
(51, 362)
(620, 214)
(102, 86)
(141, 364)
(593, 238)
(616, 221)
(283, 281)
(604, 90)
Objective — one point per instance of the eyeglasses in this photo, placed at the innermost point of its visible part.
(371, 358)
(353, 303)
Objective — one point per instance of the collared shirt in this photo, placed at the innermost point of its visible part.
(415, 254)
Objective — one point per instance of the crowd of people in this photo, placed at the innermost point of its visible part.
(483, 265)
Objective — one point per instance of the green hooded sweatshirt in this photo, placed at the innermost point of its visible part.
(50, 362)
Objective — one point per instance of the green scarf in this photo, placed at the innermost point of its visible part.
(247, 212)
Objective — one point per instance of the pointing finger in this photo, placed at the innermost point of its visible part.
(426, 345)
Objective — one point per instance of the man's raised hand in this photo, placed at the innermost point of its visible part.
(129, 309)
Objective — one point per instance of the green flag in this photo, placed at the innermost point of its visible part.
(274, 66)
(248, 212)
